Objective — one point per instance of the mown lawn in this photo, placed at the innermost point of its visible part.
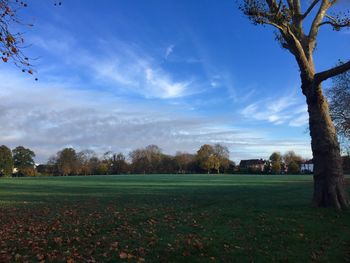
(168, 218)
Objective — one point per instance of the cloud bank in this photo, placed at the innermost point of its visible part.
(47, 117)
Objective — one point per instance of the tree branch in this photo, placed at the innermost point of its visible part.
(279, 27)
(316, 22)
(307, 12)
(336, 26)
(324, 75)
(297, 9)
(290, 4)
(301, 55)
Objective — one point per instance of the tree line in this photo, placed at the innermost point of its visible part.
(148, 160)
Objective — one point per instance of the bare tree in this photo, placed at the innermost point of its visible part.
(339, 96)
(300, 39)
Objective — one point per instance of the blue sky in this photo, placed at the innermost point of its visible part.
(117, 75)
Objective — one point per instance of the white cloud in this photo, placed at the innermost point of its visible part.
(122, 66)
(299, 121)
(283, 110)
(169, 50)
(47, 117)
(165, 87)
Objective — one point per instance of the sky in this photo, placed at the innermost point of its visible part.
(119, 75)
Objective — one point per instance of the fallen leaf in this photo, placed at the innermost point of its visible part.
(123, 255)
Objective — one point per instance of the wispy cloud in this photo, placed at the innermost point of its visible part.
(139, 75)
(169, 50)
(281, 110)
(161, 82)
(125, 67)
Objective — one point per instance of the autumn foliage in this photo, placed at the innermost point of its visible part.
(12, 43)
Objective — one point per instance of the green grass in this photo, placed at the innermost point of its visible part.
(168, 218)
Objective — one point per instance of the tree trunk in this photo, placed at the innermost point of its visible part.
(329, 187)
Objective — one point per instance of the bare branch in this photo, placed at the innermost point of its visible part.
(336, 23)
(324, 75)
(307, 12)
(335, 26)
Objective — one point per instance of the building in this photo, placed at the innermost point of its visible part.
(252, 165)
(307, 167)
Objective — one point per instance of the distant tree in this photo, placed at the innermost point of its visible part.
(86, 159)
(94, 164)
(102, 168)
(46, 169)
(51, 165)
(267, 167)
(297, 25)
(6, 161)
(276, 167)
(153, 155)
(291, 156)
(204, 157)
(168, 164)
(139, 161)
(108, 158)
(339, 97)
(231, 167)
(119, 164)
(146, 160)
(184, 162)
(68, 162)
(222, 155)
(276, 160)
(293, 168)
(213, 162)
(292, 161)
(276, 157)
(23, 159)
(213, 157)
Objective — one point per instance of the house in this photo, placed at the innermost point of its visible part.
(307, 167)
(252, 165)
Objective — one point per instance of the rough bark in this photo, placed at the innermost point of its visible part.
(329, 187)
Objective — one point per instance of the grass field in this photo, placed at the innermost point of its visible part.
(168, 218)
